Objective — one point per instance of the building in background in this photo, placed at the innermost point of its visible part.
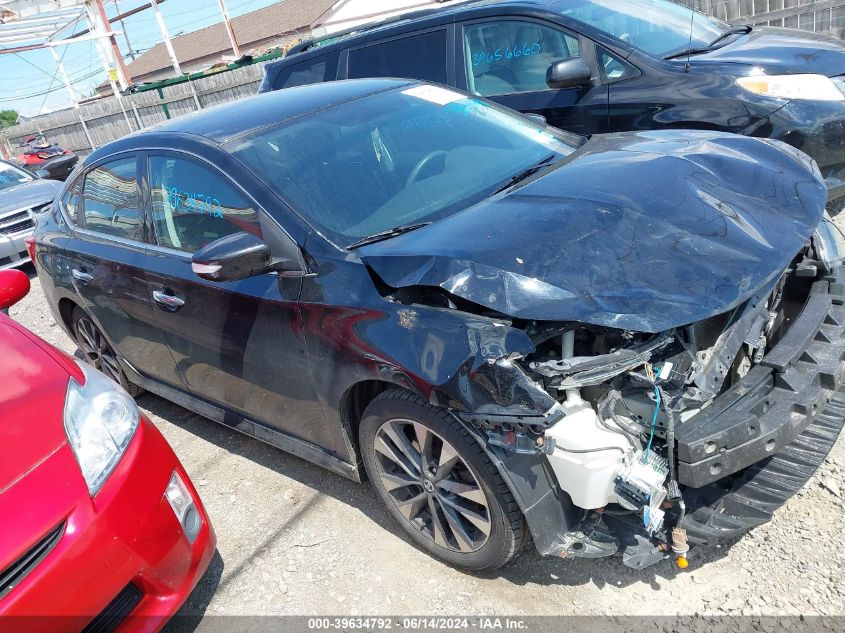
(276, 26)
(821, 16)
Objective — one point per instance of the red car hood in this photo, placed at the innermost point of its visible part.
(32, 396)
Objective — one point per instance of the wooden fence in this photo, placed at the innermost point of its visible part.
(106, 121)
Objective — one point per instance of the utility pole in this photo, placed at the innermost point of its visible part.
(171, 51)
(166, 36)
(235, 48)
(125, 34)
(103, 51)
(123, 73)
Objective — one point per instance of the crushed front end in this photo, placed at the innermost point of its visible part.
(661, 441)
(648, 372)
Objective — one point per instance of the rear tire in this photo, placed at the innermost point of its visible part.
(439, 484)
(98, 352)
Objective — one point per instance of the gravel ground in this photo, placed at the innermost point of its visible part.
(296, 539)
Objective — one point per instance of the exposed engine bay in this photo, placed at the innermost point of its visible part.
(633, 424)
(623, 395)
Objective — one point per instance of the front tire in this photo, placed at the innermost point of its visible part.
(438, 483)
(98, 352)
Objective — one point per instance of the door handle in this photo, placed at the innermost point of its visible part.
(170, 302)
(81, 276)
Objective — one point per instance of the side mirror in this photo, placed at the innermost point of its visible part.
(568, 73)
(42, 173)
(14, 286)
(238, 256)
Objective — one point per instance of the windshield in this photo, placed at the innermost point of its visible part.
(11, 176)
(658, 27)
(396, 158)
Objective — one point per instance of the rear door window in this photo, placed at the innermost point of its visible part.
(194, 205)
(421, 56)
(512, 56)
(110, 201)
(312, 71)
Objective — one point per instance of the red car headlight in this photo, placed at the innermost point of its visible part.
(100, 420)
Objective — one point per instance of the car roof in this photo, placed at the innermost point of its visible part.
(400, 21)
(229, 121)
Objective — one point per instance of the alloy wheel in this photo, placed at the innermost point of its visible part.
(432, 486)
(97, 350)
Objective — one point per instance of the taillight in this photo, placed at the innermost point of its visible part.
(30, 247)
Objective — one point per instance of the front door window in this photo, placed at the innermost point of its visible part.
(512, 56)
(193, 205)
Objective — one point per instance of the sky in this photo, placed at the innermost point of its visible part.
(25, 79)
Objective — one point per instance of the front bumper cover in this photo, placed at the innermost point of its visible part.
(126, 536)
(777, 400)
(754, 494)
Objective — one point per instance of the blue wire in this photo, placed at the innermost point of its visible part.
(653, 423)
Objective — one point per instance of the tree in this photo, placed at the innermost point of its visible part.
(8, 118)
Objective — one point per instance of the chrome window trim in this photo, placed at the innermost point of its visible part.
(167, 250)
(111, 238)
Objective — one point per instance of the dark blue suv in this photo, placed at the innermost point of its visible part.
(595, 66)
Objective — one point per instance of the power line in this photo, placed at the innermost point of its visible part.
(46, 94)
(76, 71)
(78, 68)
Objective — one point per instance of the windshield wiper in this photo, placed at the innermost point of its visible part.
(736, 30)
(740, 29)
(386, 235)
(524, 174)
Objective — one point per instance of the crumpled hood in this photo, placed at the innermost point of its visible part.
(787, 51)
(28, 195)
(642, 231)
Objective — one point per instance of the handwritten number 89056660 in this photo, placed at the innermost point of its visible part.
(523, 50)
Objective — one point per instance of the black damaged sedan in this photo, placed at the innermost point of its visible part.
(627, 345)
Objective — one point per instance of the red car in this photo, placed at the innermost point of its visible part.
(100, 523)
